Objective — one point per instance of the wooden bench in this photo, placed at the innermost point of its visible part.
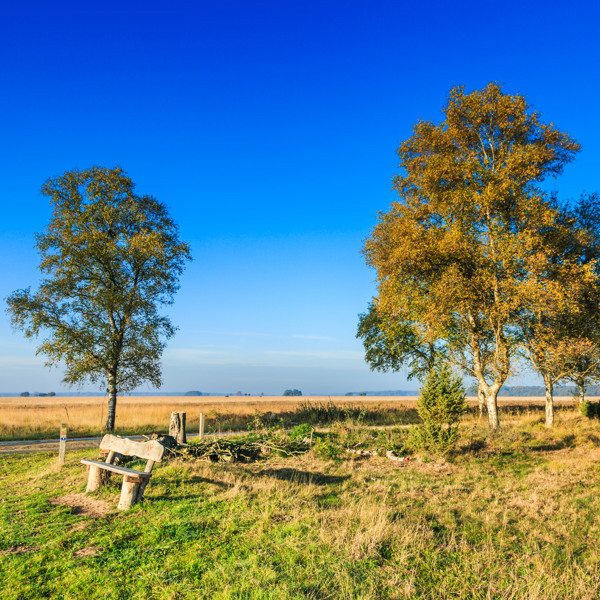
(134, 482)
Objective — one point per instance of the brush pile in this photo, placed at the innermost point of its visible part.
(243, 449)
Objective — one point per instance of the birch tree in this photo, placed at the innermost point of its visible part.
(555, 331)
(583, 355)
(110, 259)
(464, 245)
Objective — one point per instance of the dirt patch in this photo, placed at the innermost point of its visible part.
(81, 504)
(19, 550)
(89, 551)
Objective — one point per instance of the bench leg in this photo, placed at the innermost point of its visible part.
(140, 493)
(129, 492)
(95, 479)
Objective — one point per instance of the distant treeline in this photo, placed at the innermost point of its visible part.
(516, 390)
(385, 393)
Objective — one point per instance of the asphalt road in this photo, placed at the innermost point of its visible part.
(25, 447)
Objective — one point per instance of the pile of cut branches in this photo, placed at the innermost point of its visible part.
(246, 449)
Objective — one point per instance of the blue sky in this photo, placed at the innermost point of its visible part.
(269, 128)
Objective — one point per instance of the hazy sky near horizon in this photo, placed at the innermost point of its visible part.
(269, 128)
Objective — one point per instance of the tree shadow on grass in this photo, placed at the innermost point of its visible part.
(290, 475)
(569, 441)
(301, 477)
(473, 446)
(193, 479)
(594, 439)
(480, 448)
(198, 479)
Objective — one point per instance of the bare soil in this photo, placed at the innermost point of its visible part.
(83, 505)
(87, 552)
(19, 550)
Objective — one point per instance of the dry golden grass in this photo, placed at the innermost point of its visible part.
(35, 417)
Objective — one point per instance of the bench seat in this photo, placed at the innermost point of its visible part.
(116, 468)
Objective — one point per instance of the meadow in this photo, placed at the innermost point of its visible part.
(41, 417)
(511, 515)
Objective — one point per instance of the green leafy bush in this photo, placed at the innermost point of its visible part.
(440, 405)
(589, 409)
(328, 449)
(301, 432)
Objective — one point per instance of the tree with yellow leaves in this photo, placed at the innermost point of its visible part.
(466, 247)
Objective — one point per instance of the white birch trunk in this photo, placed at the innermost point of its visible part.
(549, 401)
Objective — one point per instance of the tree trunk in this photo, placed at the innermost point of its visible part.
(482, 366)
(481, 400)
(177, 427)
(580, 383)
(112, 402)
(491, 400)
(549, 400)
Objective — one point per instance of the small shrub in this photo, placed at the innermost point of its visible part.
(301, 432)
(328, 449)
(440, 405)
(589, 409)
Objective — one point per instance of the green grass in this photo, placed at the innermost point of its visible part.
(512, 516)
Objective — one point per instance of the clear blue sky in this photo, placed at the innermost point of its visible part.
(269, 128)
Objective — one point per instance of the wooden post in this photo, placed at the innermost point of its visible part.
(201, 431)
(177, 427)
(62, 445)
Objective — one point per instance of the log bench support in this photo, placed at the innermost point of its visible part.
(134, 482)
(129, 492)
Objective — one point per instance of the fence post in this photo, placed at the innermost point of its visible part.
(201, 430)
(177, 427)
(62, 444)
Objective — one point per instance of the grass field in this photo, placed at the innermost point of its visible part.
(38, 418)
(23, 418)
(515, 515)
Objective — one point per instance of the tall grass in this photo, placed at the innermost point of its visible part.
(35, 418)
(321, 413)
